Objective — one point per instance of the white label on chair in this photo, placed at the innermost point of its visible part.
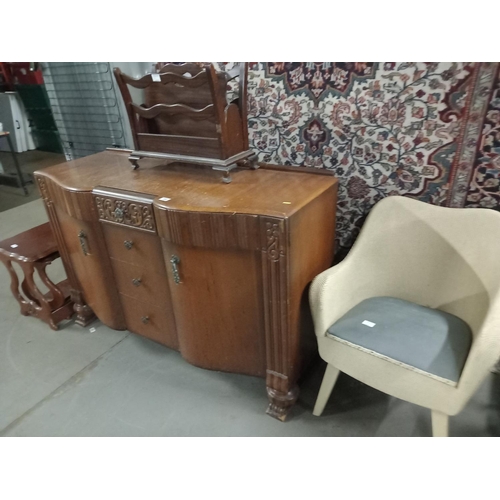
(14, 246)
(368, 323)
(156, 77)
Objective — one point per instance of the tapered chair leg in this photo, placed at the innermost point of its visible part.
(326, 388)
(439, 424)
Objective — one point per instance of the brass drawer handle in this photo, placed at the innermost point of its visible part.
(174, 260)
(83, 242)
(145, 319)
(136, 281)
(128, 244)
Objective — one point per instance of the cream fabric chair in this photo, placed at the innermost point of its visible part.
(446, 259)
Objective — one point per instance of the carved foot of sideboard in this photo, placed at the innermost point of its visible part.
(84, 314)
(280, 403)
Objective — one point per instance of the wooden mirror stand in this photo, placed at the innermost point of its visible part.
(187, 116)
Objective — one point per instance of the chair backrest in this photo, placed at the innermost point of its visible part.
(444, 258)
(186, 111)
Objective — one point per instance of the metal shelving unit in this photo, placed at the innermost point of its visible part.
(85, 107)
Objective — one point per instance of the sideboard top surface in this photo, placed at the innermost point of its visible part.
(193, 188)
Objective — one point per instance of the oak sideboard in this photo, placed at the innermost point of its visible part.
(216, 271)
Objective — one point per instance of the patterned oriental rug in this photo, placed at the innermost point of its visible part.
(430, 131)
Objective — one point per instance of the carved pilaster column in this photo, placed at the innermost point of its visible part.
(281, 387)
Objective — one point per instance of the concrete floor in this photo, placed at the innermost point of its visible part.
(29, 161)
(80, 382)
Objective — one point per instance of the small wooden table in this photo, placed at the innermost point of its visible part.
(36, 249)
(11, 180)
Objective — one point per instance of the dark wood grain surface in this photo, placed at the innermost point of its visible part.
(22, 246)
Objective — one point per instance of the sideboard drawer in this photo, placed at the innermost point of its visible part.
(155, 323)
(125, 208)
(135, 247)
(141, 283)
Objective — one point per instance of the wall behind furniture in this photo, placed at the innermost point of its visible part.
(427, 130)
(430, 131)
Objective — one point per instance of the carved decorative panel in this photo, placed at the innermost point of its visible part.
(275, 282)
(43, 189)
(126, 212)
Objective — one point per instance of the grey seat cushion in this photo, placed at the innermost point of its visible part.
(430, 340)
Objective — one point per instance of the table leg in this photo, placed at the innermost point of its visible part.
(58, 297)
(42, 307)
(14, 285)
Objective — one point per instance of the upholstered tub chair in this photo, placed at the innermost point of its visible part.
(414, 308)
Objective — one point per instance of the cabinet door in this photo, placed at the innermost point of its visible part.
(85, 244)
(216, 295)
